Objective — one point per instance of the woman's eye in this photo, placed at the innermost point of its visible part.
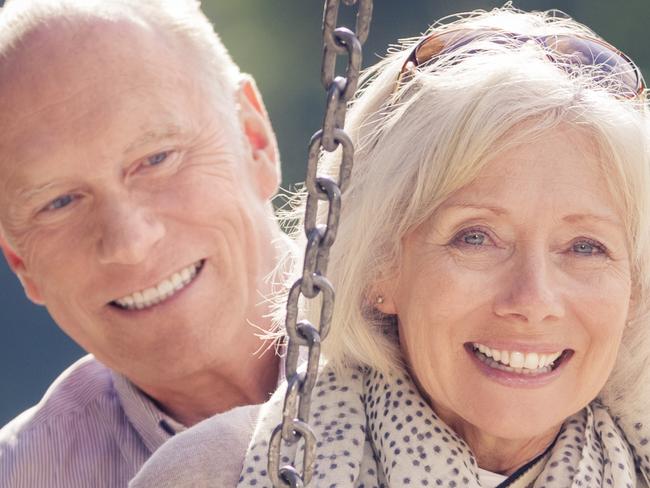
(157, 158)
(472, 238)
(60, 202)
(587, 248)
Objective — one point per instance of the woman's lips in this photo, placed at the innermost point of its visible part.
(518, 368)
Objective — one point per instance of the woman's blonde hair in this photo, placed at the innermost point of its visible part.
(418, 142)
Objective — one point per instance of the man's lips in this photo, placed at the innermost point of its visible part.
(164, 290)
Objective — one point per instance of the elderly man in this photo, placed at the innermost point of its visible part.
(136, 169)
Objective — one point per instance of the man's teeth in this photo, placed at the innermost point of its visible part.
(515, 361)
(163, 290)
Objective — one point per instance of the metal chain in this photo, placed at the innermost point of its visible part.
(320, 237)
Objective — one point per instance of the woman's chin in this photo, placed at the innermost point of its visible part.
(515, 405)
(506, 414)
(510, 424)
(502, 412)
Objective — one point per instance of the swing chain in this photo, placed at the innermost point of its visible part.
(320, 237)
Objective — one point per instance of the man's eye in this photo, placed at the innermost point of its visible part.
(60, 202)
(158, 158)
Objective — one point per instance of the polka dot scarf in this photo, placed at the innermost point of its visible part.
(375, 432)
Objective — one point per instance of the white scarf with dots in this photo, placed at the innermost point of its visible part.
(374, 432)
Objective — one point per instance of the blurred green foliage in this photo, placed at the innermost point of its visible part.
(279, 43)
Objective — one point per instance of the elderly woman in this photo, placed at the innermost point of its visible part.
(491, 320)
(491, 268)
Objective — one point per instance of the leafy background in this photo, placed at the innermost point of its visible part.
(279, 43)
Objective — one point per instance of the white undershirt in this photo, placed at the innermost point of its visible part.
(489, 479)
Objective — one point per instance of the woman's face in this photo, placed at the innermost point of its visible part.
(512, 298)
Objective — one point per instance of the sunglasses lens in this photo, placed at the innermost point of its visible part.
(453, 40)
(440, 43)
(609, 64)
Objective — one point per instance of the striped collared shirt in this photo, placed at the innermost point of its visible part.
(93, 428)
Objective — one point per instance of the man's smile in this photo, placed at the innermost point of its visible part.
(162, 291)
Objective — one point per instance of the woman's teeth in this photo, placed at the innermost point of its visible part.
(515, 361)
(162, 291)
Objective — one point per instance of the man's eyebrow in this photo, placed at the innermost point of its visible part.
(27, 194)
(154, 135)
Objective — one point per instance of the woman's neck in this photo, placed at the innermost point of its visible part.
(498, 454)
(505, 456)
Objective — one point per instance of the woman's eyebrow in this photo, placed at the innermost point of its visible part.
(582, 218)
(495, 209)
(574, 218)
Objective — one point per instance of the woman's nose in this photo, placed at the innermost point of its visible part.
(128, 233)
(530, 291)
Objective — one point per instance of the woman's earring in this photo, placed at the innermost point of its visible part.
(379, 300)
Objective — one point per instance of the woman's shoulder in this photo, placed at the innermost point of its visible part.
(337, 420)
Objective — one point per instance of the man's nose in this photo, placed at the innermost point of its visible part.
(531, 291)
(128, 233)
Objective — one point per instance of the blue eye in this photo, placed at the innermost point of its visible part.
(587, 248)
(157, 158)
(473, 238)
(60, 202)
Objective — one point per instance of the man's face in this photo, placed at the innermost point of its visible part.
(133, 208)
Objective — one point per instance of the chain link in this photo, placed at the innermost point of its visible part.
(320, 237)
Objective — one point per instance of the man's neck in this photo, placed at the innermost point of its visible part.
(191, 400)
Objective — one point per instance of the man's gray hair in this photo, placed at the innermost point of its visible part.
(183, 20)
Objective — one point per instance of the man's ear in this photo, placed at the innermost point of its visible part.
(261, 139)
(17, 265)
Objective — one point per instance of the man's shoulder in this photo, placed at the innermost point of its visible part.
(78, 435)
(87, 384)
(80, 403)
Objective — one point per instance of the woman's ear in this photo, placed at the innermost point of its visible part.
(265, 162)
(382, 296)
(17, 265)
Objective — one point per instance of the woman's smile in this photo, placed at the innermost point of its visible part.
(518, 368)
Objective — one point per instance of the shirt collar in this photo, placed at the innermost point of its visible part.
(152, 424)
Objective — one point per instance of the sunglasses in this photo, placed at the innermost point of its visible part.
(567, 51)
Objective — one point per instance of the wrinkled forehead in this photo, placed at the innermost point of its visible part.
(67, 58)
(63, 74)
(71, 81)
